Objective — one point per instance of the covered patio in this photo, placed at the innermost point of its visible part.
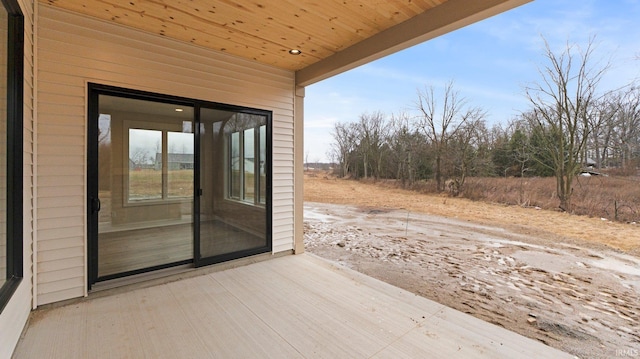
(90, 81)
(323, 310)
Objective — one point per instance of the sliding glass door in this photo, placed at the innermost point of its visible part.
(233, 182)
(174, 181)
(145, 185)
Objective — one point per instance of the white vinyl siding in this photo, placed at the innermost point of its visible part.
(15, 314)
(75, 50)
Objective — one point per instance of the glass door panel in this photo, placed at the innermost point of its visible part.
(233, 219)
(145, 185)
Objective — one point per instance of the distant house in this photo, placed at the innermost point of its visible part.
(175, 161)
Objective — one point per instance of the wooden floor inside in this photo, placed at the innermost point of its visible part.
(288, 307)
(130, 250)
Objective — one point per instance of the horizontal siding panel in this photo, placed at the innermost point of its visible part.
(48, 109)
(281, 221)
(72, 282)
(282, 193)
(283, 127)
(54, 159)
(61, 96)
(61, 254)
(74, 51)
(282, 163)
(288, 183)
(115, 73)
(52, 297)
(52, 78)
(282, 202)
(44, 192)
(61, 204)
(56, 83)
(283, 170)
(76, 120)
(53, 212)
(60, 232)
(69, 180)
(282, 247)
(56, 170)
(282, 151)
(58, 140)
(283, 137)
(282, 211)
(59, 149)
(56, 62)
(52, 128)
(53, 276)
(61, 243)
(75, 55)
(53, 223)
(283, 229)
(76, 262)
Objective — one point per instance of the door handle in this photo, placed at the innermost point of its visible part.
(96, 205)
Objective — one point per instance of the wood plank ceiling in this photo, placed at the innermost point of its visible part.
(332, 35)
(262, 30)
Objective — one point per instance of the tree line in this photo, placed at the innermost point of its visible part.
(570, 124)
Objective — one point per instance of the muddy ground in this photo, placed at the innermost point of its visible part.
(582, 297)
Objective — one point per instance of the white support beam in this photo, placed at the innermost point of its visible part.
(298, 174)
(449, 16)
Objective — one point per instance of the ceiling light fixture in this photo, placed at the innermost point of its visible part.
(179, 110)
(295, 52)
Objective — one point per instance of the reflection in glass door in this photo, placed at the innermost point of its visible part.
(145, 185)
(233, 181)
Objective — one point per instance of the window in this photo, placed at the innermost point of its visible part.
(11, 87)
(161, 162)
(145, 164)
(247, 150)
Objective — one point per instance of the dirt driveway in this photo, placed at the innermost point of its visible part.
(577, 296)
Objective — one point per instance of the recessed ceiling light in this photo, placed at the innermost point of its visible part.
(295, 52)
(179, 110)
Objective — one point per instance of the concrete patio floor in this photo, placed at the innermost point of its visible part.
(288, 307)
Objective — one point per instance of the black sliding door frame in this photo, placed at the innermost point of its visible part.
(93, 205)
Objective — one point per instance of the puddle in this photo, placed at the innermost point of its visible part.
(311, 213)
(618, 266)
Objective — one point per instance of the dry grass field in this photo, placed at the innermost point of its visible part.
(612, 197)
(321, 187)
(147, 183)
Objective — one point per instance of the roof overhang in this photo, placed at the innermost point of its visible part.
(332, 36)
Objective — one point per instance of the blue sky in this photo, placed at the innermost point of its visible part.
(490, 62)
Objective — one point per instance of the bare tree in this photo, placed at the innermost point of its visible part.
(344, 144)
(373, 134)
(440, 119)
(627, 128)
(402, 148)
(562, 102)
(602, 126)
(141, 156)
(466, 150)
